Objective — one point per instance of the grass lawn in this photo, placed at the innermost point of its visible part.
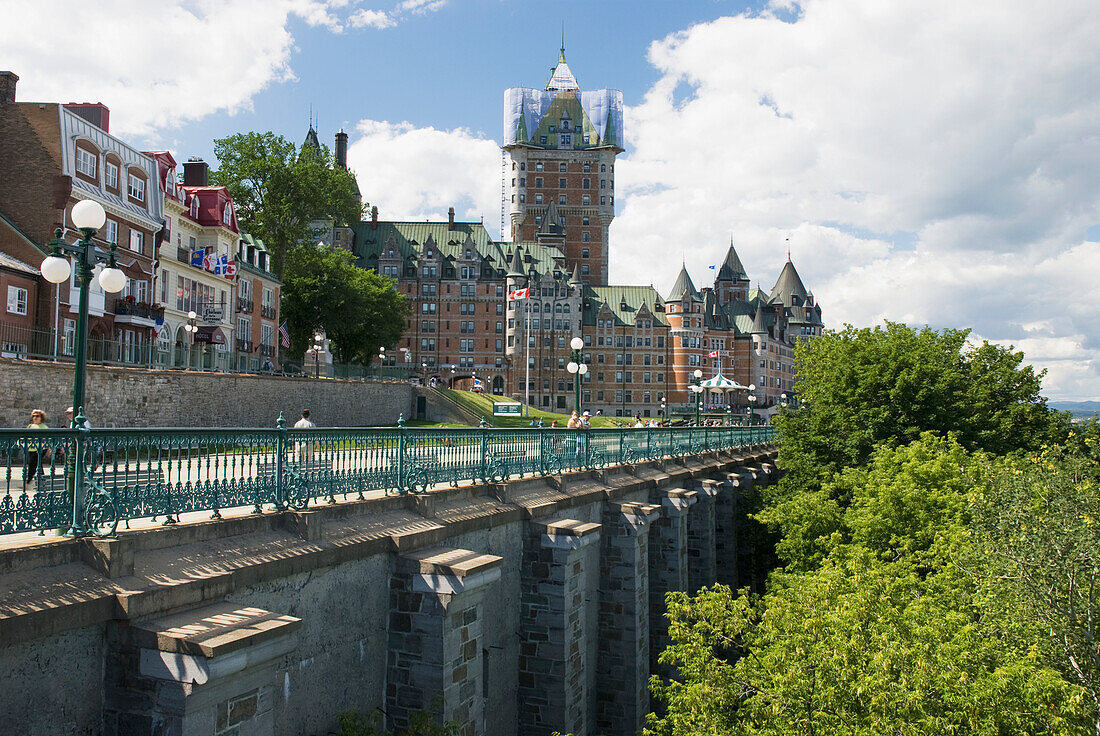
(482, 406)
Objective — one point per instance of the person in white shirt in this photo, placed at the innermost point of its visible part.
(305, 449)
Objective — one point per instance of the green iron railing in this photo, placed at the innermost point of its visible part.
(91, 481)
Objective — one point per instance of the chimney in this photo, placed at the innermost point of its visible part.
(8, 81)
(373, 218)
(342, 149)
(95, 113)
(194, 172)
(450, 218)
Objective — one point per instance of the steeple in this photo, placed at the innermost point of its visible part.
(789, 289)
(311, 139)
(682, 287)
(575, 279)
(731, 269)
(561, 77)
(551, 221)
(758, 326)
(516, 268)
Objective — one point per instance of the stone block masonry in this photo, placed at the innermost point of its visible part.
(622, 675)
(513, 608)
(553, 651)
(702, 569)
(136, 397)
(668, 565)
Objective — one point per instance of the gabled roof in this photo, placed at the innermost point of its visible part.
(311, 138)
(551, 221)
(624, 303)
(212, 203)
(682, 287)
(515, 263)
(372, 241)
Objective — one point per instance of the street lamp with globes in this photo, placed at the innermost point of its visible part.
(318, 346)
(190, 328)
(88, 216)
(752, 403)
(577, 367)
(696, 379)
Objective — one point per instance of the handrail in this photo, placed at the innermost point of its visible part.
(91, 481)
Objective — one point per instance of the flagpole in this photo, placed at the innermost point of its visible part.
(527, 357)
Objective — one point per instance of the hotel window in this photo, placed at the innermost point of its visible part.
(112, 175)
(111, 234)
(587, 184)
(561, 167)
(17, 300)
(194, 206)
(561, 183)
(137, 240)
(227, 215)
(136, 188)
(561, 199)
(586, 200)
(86, 162)
(585, 237)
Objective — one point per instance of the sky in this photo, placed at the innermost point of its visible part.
(933, 162)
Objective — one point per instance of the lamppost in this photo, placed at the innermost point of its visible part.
(664, 412)
(381, 360)
(578, 368)
(696, 379)
(89, 217)
(318, 346)
(190, 328)
(783, 400)
(752, 402)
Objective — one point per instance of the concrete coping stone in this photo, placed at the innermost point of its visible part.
(567, 533)
(638, 509)
(213, 630)
(459, 563)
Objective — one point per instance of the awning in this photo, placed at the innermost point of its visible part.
(210, 334)
(720, 384)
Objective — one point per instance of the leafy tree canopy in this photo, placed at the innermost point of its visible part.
(359, 310)
(889, 384)
(279, 189)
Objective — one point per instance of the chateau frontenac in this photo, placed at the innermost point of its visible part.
(641, 347)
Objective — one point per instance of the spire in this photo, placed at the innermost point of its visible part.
(561, 56)
(575, 279)
(731, 268)
(516, 269)
(551, 222)
(758, 326)
(789, 285)
(561, 77)
(522, 135)
(682, 287)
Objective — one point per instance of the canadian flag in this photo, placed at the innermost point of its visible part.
(520, 293)
(714, 353)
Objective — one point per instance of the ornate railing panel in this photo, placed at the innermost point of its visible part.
(94, 481)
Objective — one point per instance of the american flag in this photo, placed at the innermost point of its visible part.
(284, 335)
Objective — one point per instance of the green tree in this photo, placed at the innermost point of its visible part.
(359, 310)
(279, 189)
(1038, 524)
(858, 646)
(863, 387)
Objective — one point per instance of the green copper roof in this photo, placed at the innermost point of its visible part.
(255, 242)
(788, 285)
(731, 269)
(683, 286)
(409, 241)
(624, 302)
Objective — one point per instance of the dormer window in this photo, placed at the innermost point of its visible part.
(136, 188)
(170, 182)
(86, 162)
(227, 214)
(429, 254)
(468, 254)
(194, 206)
(565, 124)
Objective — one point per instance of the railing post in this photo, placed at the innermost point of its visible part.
(72, 471)
(648, 442)
(280, 462)
(542, 450)
(401, 453)
(587, 449)
(484, 453)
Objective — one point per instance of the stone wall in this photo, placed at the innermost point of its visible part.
(522, 607)
(136, 397)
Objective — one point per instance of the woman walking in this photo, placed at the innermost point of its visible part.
(30, 464)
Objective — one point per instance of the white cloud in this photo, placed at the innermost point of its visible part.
(931, 162)
(419, 7)
(413, 173)
(160, 65)
(363, 18)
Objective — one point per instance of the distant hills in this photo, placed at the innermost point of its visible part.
(1080, 409)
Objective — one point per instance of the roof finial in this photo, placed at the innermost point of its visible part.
(788, 249)
(561, 57)
(311, 115)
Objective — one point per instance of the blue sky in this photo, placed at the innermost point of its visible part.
(450, 67)
(928, 161)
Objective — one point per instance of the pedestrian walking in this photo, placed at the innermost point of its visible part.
(305, 449)
(31, 461)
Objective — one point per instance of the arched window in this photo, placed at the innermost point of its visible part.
(195, 206)
(227, 214)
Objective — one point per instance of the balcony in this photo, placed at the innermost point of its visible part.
(183, 255)
(268, 312)
(244, 346)
(141, 314)
(244, 305)
(268, 351)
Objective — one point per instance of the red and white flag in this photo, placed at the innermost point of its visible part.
(715, 353)
(519, 293)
